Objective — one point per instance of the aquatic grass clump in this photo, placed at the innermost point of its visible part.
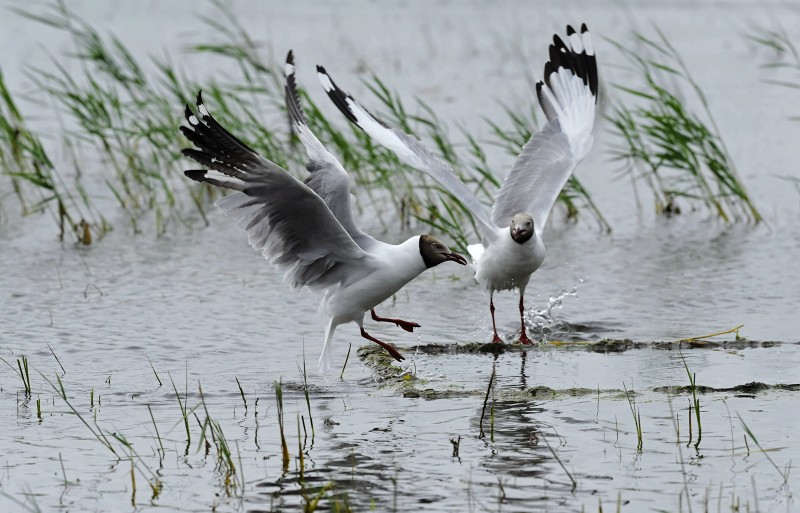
(225, 463)
(679, 155)
(106, 438)
(24, 159)
(127, 118)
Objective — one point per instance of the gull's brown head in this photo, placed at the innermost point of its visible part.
(434, 252)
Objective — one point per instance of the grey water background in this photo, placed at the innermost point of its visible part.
(203, 306)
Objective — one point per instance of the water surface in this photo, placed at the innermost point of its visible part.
(207, 310)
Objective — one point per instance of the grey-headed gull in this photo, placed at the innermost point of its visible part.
(511, 247)
(306, 229)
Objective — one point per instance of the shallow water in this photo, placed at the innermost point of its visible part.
(204, 308)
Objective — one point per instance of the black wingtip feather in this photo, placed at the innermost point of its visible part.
(581, 64)
(195, 174)
(539, 86)
(199, 100)
(216, 147)
(338, 97)
(548, 70)
(292, 97)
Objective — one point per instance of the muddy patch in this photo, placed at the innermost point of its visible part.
(401, 376)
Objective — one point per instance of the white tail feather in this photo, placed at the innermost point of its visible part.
(326, 357)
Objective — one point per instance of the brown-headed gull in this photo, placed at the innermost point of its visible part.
(511, 247)
(306, 229)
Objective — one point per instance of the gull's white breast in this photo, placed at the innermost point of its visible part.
(506, 265)
(393, 267)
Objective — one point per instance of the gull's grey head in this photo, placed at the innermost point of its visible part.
(434, 252)
(521, 227)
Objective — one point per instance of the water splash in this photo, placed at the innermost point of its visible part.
(411, 367)
(541, 323)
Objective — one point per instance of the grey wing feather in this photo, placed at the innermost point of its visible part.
(284, 219)
(327, 177)
(537, 177)
(568, 97)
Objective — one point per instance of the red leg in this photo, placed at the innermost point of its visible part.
(523, 337)
(406, 325)
(392, 351)
(496, 339)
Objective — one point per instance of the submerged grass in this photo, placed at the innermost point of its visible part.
(489, 389)
(784, 473)
(561, 464)
(57, 360)
(158, 435)
(284, 445)
(630, 396)
(313, 488)
(241, 392)
(695, 403)
(680, 156)
(96, 431)
(232, 476)
(346, 358)
(308, 399)
(225, 464)
(25, 374)
(183, 405)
